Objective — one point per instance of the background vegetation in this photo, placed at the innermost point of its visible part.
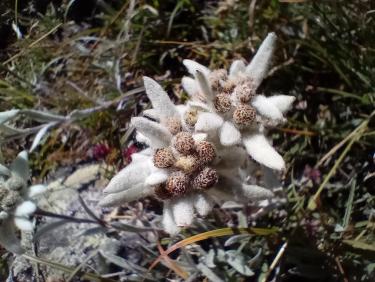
(92, 54)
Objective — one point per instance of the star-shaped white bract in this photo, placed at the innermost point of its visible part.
(142, 178)
(229, 107)
(180, 167)
(16, 202)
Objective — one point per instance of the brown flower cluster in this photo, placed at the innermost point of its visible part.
(189, 162)
(232, 97)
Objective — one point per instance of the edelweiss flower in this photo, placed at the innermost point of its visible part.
(16, 205)
(229, 104)
(179, 168)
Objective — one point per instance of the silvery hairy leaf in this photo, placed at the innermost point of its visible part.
(42, 116)
(8, 115)
(39, 136)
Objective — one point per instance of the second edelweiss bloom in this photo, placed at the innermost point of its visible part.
(229, 104)
(16, 202)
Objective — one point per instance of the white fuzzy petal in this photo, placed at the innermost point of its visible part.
(229, 134)
(237, 67)
(151, 113)
(133, 174)
(157, 177)
(168, 222)
(208, 121)
(4, 171)
(158, 135)
(261, 151)
(267, 109)
(183, 211)
(282, 102)
(141, 138)
(205, 87)
(259, 65)
(134, 193)
(20, 166)
(36, 190)
(202, 204)
(24, 224)
(190, 86)
(255, 193)
(159, 98)
(181, 109)
(199, 137)
(142, 156)
(25, 209)
(198, 105)
(193, 67)
(146, 152)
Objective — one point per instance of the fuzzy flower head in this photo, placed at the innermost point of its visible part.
(16, 205)
(179, 173)
(228, 106)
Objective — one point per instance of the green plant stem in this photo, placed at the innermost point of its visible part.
(359, 132)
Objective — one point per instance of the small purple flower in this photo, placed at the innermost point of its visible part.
(100, 151)
(313, 174)
(128, 152)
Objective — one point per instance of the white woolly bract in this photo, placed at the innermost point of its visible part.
(20, 166)
(151, 113)
(25, 209)
(157, 177)
(190, 86)
(229, 134)
(259, 65)
(255, 193)
(198, 105)
(183, 211)
(169, 225)
(261, 151)
(267, 109)
(117, 199)
(4, 170)
(181, 109)
(24, 224)
(159, 99)
(205, 87)
(142, 139)
(131, 175)
(158, 135)
(237, 67)
(36, 190)
(199, 137)
(208, 121)
(202, 204)
(142, 156)
(282, 102)
(193, 67)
